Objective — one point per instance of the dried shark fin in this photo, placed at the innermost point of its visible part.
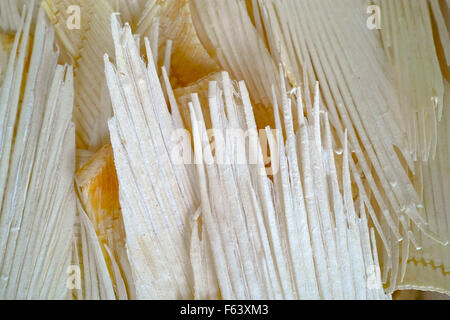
(277, 240)
(156, 196)
(37, 152)
(287, 214)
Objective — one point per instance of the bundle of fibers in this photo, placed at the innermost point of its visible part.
(37, 161)
(395, 201)
(90, 278)
(298, 233)
(10, 16)
(257, 239)
(428, 268)
(335, 44)
(419, 78)
(318, 38)
(156, 195)
(424, 95)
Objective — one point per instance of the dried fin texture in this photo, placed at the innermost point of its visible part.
(183, 97)
(226, 31)
(407, 32)
(417, 30)
(96, 283)
(85, 45)
(173, 21)
(429, 268)
(296, 235)
(156, 195)
(37, 162)
(99, 195)
(298, 231)
(334, 43)
(9, 15)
